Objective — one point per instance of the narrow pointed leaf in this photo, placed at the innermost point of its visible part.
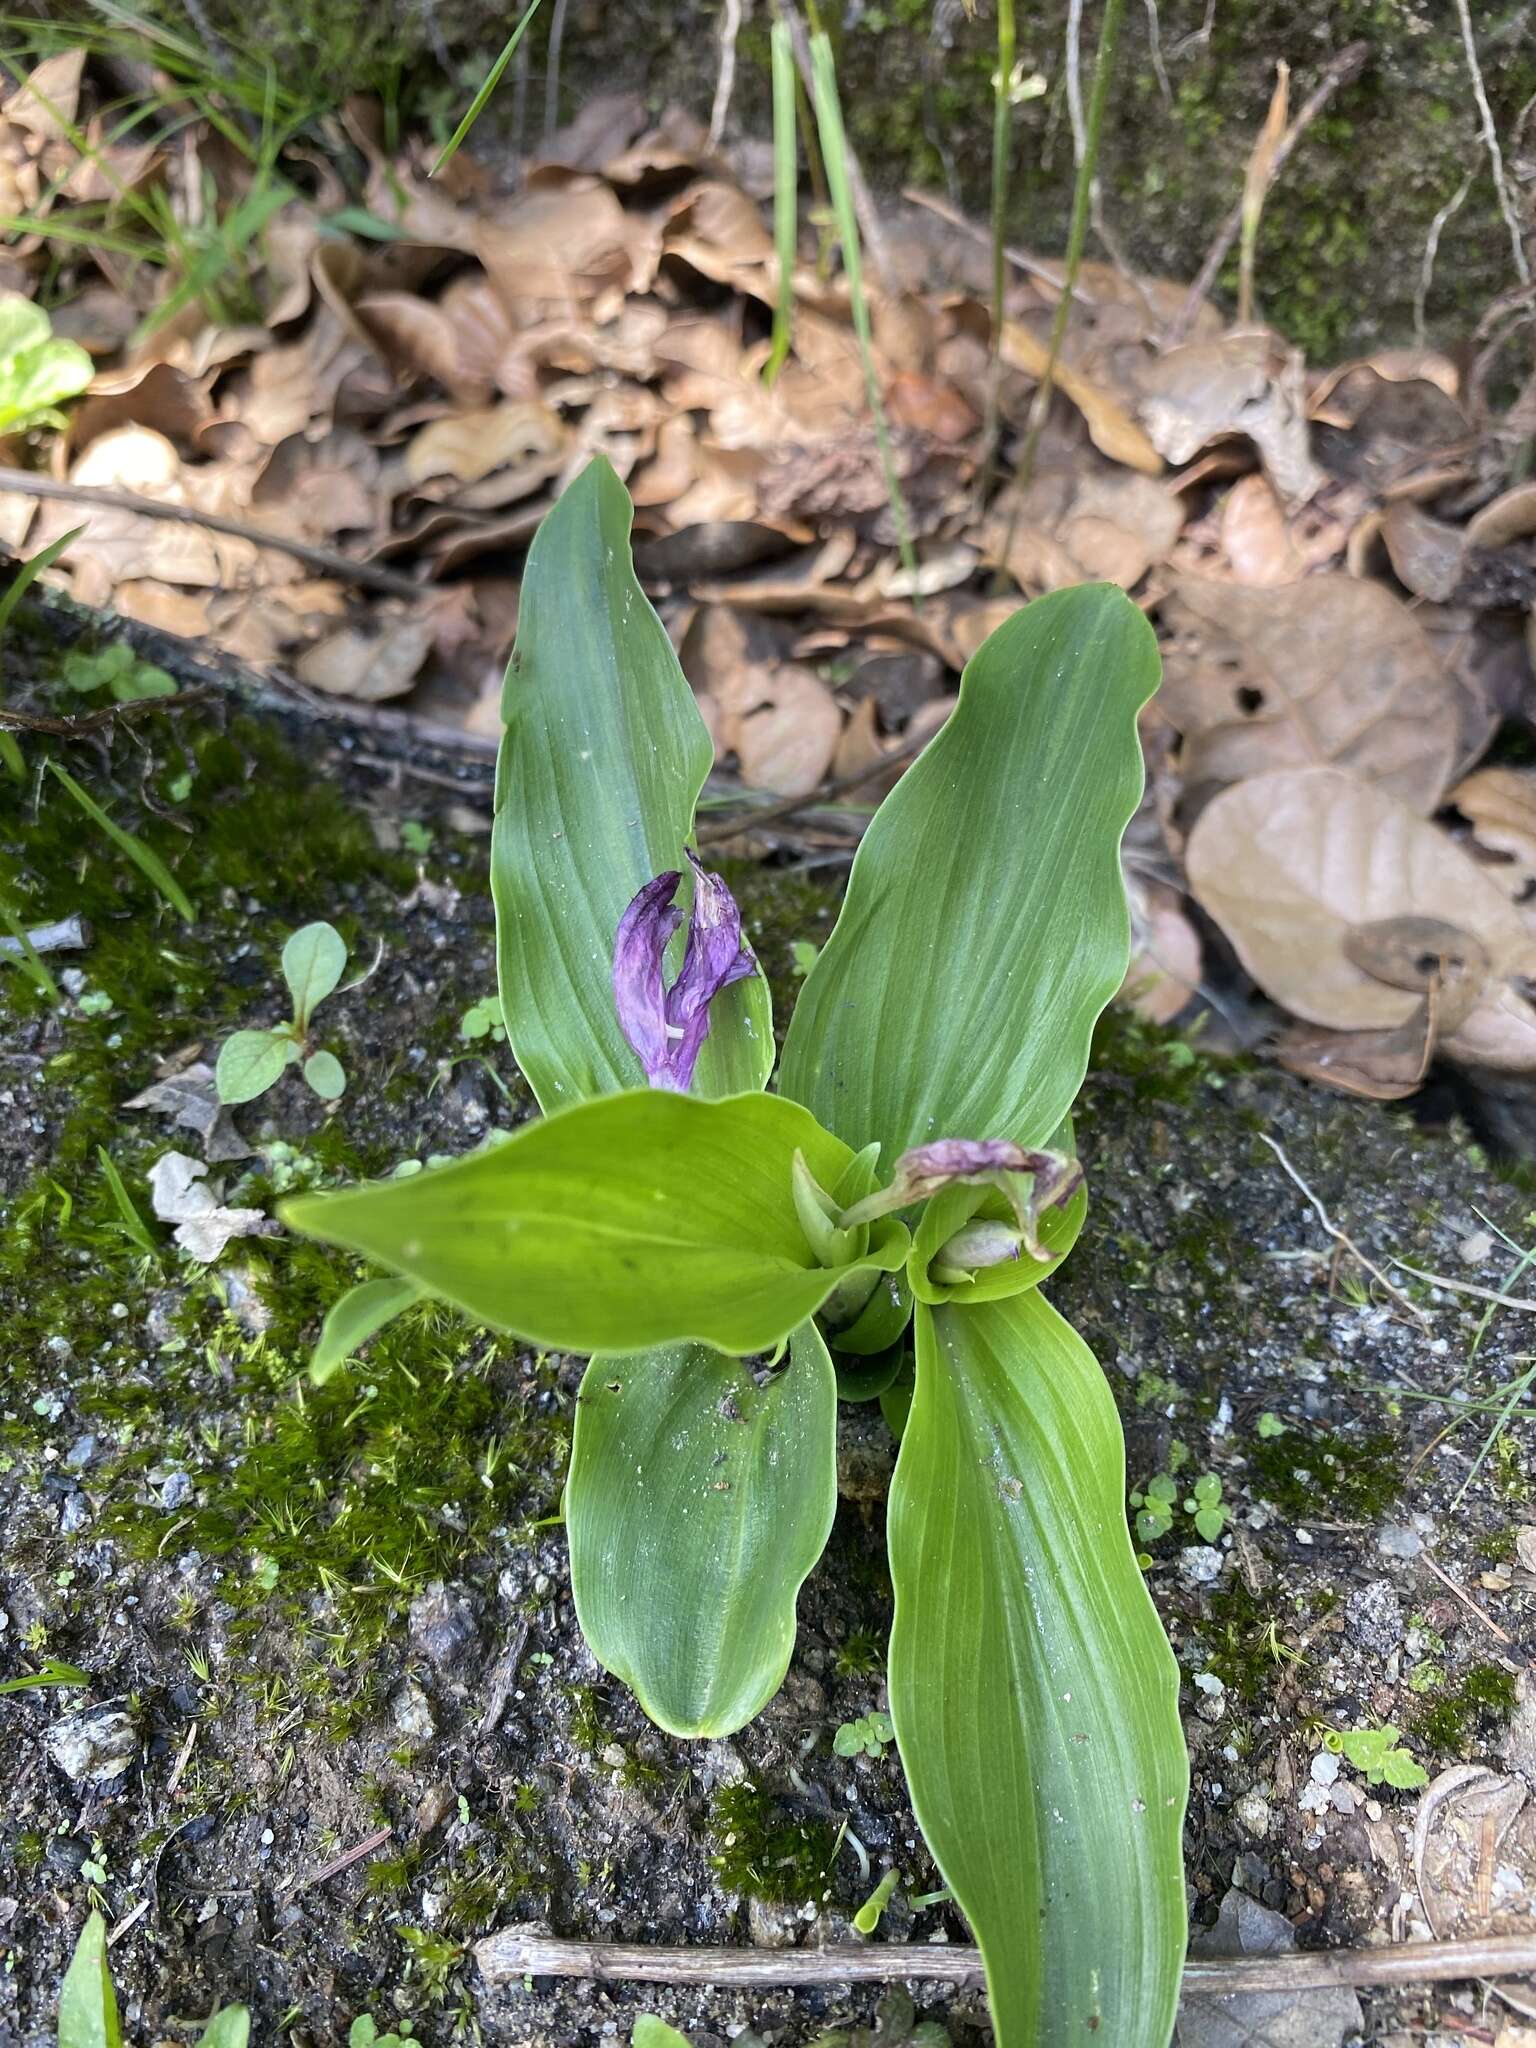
(985, 924)
(87, 2002)
(354, 1317)
(697, 1503)
(601, 765)
(230, 2027)
(1034, 1694)
(633, 1220)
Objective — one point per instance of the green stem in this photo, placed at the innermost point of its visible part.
(1002, 149)
(1077, 234)
(785, 195)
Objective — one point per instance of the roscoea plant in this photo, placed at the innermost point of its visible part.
(735, 1259)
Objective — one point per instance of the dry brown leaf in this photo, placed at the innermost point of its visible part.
(470, 445)
(316, 490)
(783, 728)
(1310, 872)
(1383, 1066)
(1511, 516)
(1326, 670)
(1114, 432)
(159, 396)
(157, 604)
(1165, 968)
(1256, 536)
(1426, 554)
(369, 663)
(419, 338)
(566, 245)
(1243, 384)
(1500, 806)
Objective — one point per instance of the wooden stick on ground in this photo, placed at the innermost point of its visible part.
(713, 830)
(366, 575)
(523, 1952)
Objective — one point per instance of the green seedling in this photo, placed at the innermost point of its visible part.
(88, 2016)
(53, 1673)
(718, 1248)
(37, 370)
(870, 1735)
(1157, 1503)
(251, 1062)
(119, 670)
(867, 1918)
(1376, 1751)
(483, 1020)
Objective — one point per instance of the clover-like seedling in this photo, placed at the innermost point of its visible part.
(118, 669)
(483, 1020)
(1376, 1751)
(1154, 1506)
(1205, 1506)
(251, 1061)
(868, 1736)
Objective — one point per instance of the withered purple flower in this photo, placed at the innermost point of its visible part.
(1031, 1181)
(667, 1027)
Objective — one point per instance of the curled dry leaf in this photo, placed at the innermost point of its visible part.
(1256, 535)
(1383, 1066)
(1512, 516)
(1330, 670)
(369, 662)
(1323, 885)
(179, 1194)
(1113, 431)
(567, 244)
(1426, 554)
(1243, 384)
(1500, 806)
(783, 728)
(470, 445)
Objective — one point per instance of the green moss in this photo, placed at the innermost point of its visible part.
(1328, 1476)
(763, 1853)
(1496, 1545)
(1465, 1717)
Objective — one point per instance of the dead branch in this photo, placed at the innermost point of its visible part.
(340, 1863)
(95, 721)
(366, 575)
(1346, 67)
(715, 830)
(525, 1952)
(1048, 273)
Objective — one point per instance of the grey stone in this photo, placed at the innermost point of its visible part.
(412, 1712)
(80, 1453)
(773, 1926)
(176, 1491)
(1393, 1540)
(75, 1514)
(443, 1626)
(1200, 1564)
(1373, 1617)
(94, 1746)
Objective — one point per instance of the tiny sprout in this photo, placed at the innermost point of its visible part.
(483, 1020)
(868, 1736)
(1376, 1751)
(250, 1062)
(1270, 1424)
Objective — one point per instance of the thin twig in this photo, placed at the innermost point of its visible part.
(524, 1952)
(1525, 1301)
(1002, 152)
(1340, 1236)
(552, 70)
(69, 935)
(718, 829)
(130, 1919)
(1491, 143)
(1347, 66)
(1466, 1599)
(863, 205)
(725, 84)
(342, 1862)
(1155, 47)
(95, 721)
(1431, 251)
(344, 567)
(183, 1758)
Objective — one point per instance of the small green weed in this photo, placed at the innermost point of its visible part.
(251, 1062)
(1376, 1751)
(870, 1735)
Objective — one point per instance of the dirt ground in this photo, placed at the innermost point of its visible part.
(311, 1616)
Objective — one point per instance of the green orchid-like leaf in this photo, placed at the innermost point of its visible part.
(698, 1501)
(1034, 1694)
(630, 1221)
(354, 1317)
(985, 925)
(602, 762)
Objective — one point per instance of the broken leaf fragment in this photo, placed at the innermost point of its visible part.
(180, 1194)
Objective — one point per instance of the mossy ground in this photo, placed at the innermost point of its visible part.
(252, 1564)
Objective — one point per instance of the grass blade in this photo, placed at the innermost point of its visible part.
(492, 80)
(131, 1222)
(29, 572)
(1002, 144)
(785, 195)
(148, 862)
(30, 960)
(834, 150)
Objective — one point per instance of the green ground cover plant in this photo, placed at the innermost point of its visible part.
(732, 1259)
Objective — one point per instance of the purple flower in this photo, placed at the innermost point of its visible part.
(1032, 1182)
(665, 1026)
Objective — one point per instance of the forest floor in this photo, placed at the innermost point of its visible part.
(318, 1621)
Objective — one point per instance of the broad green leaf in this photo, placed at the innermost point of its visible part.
(326, 1075)
(250, 1062)
(314, 960)
(651, 2032)
(601, 765)
(633, 1220)
(230, 2027)
(36, 369)
(985, 923)
(697, 1503)
(87, 2002)
(1034, 1693)
(354, 1317)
